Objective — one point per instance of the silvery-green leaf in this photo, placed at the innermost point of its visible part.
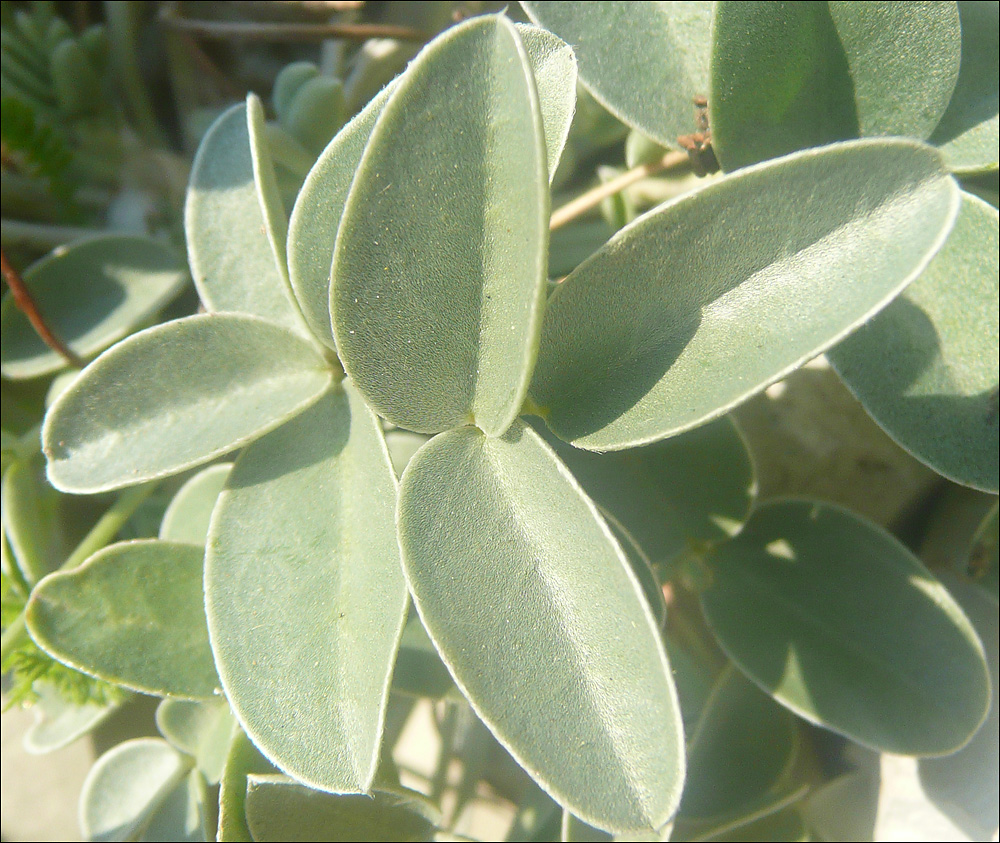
(536, 612)
(127, 785)
(553, 65)
(703, 302)
(91, 294)
(439, 269)
(242, 760)
(926, 367)
(132, 614)
(839, 622)
(176, 395)
(279, 808)
(694, 487)
(203, 729)
(304, 593)
(419, 671)
(229, 219)
(188, 515)
(315, 218)
(968, 131)
(796, 75)
(183, 815)
(33, 519)
(58, 723)
(966, 786)
(645, 62)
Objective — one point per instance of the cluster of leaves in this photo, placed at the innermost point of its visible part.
(421, 417)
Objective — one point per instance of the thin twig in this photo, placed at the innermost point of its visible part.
(26, 302)
(250, 31)
(592, 198)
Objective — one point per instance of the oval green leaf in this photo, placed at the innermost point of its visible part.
(230, 220)
(91, 293)
(839, 622)
(695, 487)
(788, 76)
(125, 787)
(439, 268)
(969, 131)
(280, 809)
(304, 593)
(645, 62)
(553, 64)
(203, 729)
(177, 395)
(183, 815)
(58, 723)
(132, 614)
(190, 511)
(926, 367)
(537, 614)
(312, 231)
(705, 301)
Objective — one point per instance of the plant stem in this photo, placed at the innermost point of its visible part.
(26, 303)
(592, 198)
(100, 535)
(254, 31)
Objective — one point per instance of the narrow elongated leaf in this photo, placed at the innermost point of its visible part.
(304, 592)
(839, 622)
(926, 367)
(788, 76)
(537, 614)
(33, 519)
(903, 59)
(232, 243)
(242, 761)
(312, 231)
(553, 65)
(133, 614)
(692, 488)
(190, 511)
(177, 395)
(969, 131)
(982, 563)
(126, 786)
(705, 301)
(279, 808)
(439, 269)
(643, 61)
(91, 294)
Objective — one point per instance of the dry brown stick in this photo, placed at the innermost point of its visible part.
(249, 31)
(592, 198)
(26, 302)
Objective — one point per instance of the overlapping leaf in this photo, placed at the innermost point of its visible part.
(795, 75)
(705, 301)
(840, 623)
(190, 511)
(439, 268)
(234, 229)
(180, 394)
(926, 368)
(304, 592)
(643, 61)
(91, 294)
(133, 614)
(537, 614)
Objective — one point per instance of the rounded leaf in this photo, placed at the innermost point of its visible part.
(839, 622)
(304, 592)
(537, 614)
(91, 293)
(439, 268)
(926, 367)
(645, 62)
(708, 299)
(132, 614)
(126, 786)
(190, 510)
(173, 396)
